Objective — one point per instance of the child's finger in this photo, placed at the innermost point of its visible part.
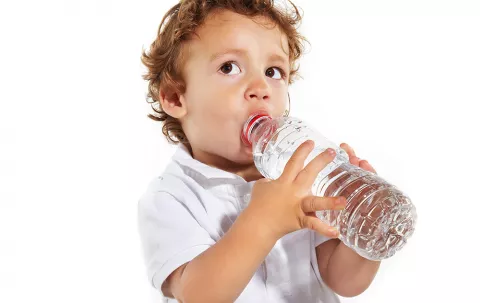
(297, 161)
(320, 227)
(348, 149)
(314, 203)
(310, 172)
(366, 166)
(354, 160)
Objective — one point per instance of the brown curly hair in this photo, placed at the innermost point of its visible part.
(165, 57)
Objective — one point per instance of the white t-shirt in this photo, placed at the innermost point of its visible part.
(192, 205)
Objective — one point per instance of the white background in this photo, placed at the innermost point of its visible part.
(397, 80)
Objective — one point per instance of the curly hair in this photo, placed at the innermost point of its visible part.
(165, 57)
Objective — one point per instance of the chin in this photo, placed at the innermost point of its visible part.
(245, 155)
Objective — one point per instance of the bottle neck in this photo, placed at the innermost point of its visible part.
(253, 123)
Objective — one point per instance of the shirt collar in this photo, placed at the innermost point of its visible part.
(204, 174)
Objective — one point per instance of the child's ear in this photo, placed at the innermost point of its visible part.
(173, 103)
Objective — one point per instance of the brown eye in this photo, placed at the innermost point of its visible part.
(274, 73)
(230, 68)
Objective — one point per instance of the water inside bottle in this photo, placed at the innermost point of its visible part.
(378, 218)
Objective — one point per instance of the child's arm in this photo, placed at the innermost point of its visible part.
(276, 208)
(345, 272)
(222, 272)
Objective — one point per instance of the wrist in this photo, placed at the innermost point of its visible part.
(256, 223)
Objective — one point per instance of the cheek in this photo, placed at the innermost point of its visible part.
(280, 103)
(217, 118)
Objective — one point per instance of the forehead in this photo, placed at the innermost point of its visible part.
(225, 29)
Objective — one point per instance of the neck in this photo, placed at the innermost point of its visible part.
(248, 172)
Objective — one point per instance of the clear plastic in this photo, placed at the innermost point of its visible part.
(378, 218)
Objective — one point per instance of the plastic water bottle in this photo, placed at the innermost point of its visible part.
(377, 219)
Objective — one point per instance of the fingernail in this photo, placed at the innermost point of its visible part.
(333, 232)
(331, 151)
(340, 200)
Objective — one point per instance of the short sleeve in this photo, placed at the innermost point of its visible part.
(170, 235)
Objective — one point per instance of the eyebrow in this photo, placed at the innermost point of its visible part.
(234, 51)
(243, 53)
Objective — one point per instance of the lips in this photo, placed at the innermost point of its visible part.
(258, 112)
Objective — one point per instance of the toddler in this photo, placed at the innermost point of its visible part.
(212, 228)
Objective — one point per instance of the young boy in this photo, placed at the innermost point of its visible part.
(212, 228)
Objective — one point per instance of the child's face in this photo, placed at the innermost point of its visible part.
(235, 67)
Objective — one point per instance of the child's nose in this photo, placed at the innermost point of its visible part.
(258, 90)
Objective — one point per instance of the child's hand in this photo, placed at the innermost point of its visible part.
(354, 160)
(286, 204)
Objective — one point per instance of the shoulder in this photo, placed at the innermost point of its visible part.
(172, 187)
(164, 188)
(171, 181)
